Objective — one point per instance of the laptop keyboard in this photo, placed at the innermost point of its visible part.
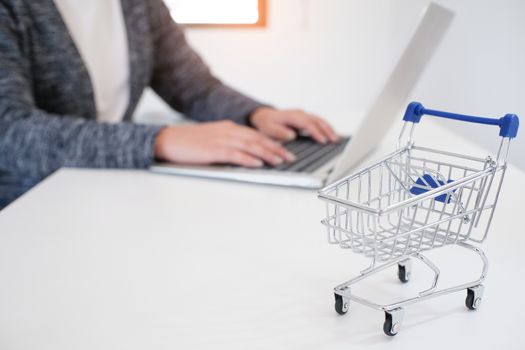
(310, 154)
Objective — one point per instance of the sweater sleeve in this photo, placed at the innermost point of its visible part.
(184, 81)
(34, 143)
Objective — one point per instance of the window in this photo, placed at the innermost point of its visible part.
(236, 13)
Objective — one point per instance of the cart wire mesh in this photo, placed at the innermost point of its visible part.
(408, 203)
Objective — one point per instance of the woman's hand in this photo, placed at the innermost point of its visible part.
(219, 142)
(282, 125)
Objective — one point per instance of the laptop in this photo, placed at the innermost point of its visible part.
(318, 165)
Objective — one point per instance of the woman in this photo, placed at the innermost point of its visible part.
(72, 72)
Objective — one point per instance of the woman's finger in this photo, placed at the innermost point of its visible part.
(275, 147)
(258, 144)
(326, 128)
(259, 150)
(279, 131)
(302, 121)
(238, 157)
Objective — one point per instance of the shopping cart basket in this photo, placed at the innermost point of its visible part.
(414, 200)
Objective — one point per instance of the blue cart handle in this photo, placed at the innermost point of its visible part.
(508, 125)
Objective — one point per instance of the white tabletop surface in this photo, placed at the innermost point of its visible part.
(98, 259)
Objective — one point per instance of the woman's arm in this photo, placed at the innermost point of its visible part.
(34, 143)
(184, 81)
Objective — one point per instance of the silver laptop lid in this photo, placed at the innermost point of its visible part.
(392, 99)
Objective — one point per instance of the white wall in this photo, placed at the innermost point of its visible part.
(332, 56)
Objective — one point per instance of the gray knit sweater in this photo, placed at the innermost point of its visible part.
(47, 106)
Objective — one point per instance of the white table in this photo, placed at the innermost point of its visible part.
(94, 259)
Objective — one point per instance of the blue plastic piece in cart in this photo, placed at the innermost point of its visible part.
(508, 125)
(427, 183)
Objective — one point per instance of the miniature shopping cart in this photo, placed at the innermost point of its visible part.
(414, 200)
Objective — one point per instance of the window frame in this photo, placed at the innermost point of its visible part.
(261, 23)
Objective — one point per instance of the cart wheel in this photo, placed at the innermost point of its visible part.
(393, 321)
(403, 274)
(474, 297)
(404, 270)
(341, 304)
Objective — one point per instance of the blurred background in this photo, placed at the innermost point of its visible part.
(331, 57)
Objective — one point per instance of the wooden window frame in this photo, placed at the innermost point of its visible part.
(261, 23)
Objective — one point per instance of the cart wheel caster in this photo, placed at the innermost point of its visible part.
(474, 297)
(404, 270)
(393, 320)
(341, 304)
